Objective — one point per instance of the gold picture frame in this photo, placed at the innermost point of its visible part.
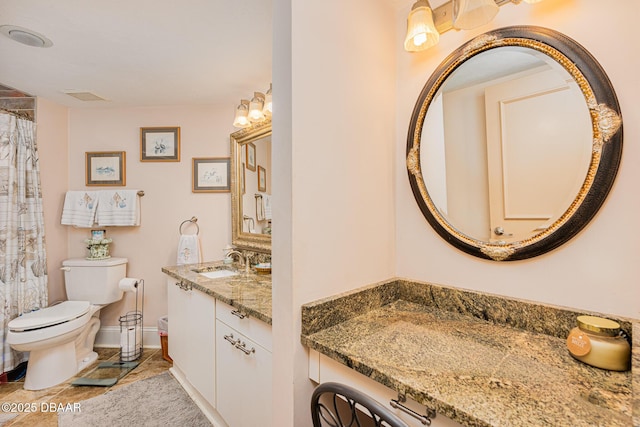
(106, 168)
(211, 175)
(262, 179)
(160, 144)
(251, 157)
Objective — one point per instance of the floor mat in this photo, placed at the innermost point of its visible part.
(106, 374)
(158, 401)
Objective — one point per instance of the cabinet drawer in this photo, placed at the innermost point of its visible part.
(243, 380)
(254, 329)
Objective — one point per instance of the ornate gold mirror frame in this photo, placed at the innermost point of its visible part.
(241, 239)
(606, 149)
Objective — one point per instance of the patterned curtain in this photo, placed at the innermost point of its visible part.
(23, 261)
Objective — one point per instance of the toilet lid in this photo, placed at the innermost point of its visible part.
(56, 314)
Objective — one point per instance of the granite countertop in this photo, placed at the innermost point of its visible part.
(477, 359)
(250, 293)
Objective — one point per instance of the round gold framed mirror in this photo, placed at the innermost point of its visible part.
(514, 143)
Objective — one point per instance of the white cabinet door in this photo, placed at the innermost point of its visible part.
(178, 302)
(192, 337)
(243, 379)
(201, 371)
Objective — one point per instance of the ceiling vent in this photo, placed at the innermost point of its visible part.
(85, 96)
(25, 36)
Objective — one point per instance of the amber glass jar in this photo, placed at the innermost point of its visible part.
(600, 342)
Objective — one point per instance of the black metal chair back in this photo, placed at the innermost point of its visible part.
(338, 405)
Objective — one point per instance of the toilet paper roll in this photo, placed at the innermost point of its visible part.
(130, 338)
(128, 284)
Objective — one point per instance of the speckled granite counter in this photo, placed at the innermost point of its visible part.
(478, 359)
(250, 293)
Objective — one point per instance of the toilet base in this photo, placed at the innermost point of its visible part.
(39, 370)
(58, 359)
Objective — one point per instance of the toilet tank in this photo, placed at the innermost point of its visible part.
(95, 281)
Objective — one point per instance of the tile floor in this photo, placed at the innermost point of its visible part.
(151, 363)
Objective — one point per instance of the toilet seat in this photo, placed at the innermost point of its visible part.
(51, 316)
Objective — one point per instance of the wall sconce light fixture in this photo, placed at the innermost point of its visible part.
(254, 111)
(469, 14)
(242, 115)
(421, 31)
(255, 107)
(424, 25)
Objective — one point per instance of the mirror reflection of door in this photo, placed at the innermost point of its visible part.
(536, 163)
(498, 154)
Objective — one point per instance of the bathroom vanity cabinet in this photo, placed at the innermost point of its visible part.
(220, 342)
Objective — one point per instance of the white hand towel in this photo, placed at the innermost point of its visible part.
(118, 208)
(79, 208)
(260, 208)
(266, 201)
(188, 249)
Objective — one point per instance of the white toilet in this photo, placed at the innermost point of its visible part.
(61, 337)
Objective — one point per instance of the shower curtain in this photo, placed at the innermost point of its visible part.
(23, 271)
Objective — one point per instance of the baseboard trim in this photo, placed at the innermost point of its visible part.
(109, 336)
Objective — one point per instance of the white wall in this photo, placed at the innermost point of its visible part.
(598, 269)
(339, 131)
(168, 198)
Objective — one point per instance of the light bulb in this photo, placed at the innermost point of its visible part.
(419, 39)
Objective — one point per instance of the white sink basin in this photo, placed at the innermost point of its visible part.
(218, 274)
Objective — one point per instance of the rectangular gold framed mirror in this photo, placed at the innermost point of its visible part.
(251, 189)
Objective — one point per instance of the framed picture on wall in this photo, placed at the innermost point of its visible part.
(262, 179)
(251, 157)
(161, 144)
(211, 175)
(105, 167)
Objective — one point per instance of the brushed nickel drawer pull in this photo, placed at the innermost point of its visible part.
(424, 419)
(230, 339)
(238, 314)
(243, 348)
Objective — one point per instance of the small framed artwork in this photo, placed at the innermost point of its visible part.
(106, 167)
(161, 144)
(262, 179)
(251, 157)
(211, 175)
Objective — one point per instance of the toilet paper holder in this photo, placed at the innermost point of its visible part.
(131, 322)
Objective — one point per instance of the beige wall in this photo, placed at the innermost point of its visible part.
(333, 153)
(168, 198)
(597, 269)
(52, 135)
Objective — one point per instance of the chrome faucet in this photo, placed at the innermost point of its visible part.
(243, 258)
